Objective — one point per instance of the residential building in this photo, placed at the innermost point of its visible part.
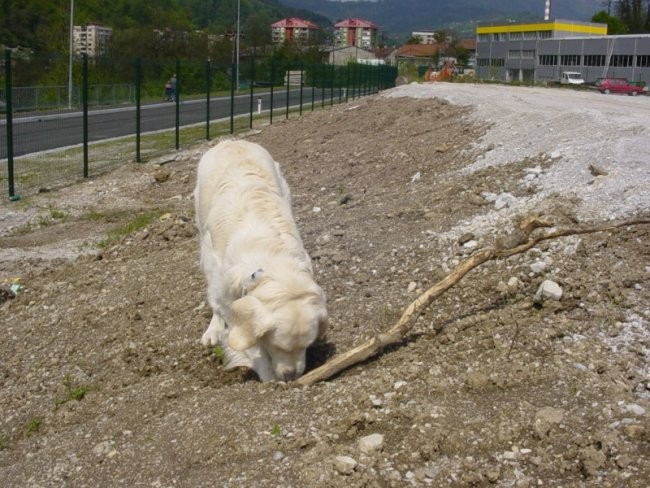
(541, 51)
(355, 32)
(426, 37)
(91, 39)
(292, 29)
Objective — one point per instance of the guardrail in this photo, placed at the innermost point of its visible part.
(124, 110)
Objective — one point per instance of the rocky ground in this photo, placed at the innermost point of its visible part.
(103, 381)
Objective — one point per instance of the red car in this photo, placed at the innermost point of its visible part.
(618, 85)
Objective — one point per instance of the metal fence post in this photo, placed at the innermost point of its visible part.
(177, 97)
(302, 72)
(232, 98)
(288, 78)
(208, 82)
(252, 83)
(272, 87)
(10, 127)
(138, 101)
(84, 105)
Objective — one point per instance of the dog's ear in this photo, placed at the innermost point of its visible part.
(244, 332)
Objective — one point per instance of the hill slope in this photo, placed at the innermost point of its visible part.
(399, 17)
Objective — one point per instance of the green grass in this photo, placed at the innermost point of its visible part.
(33, 426)
(138, 222)
(4, 442)
(73, 391)
(275, 430)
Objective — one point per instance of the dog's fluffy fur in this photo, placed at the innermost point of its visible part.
(267, 309)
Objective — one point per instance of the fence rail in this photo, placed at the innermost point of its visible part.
(124, 110)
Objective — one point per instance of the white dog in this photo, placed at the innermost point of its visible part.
(267, 309)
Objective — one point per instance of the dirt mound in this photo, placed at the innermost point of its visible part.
(104, 382)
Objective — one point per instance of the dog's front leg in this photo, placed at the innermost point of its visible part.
(216, 332)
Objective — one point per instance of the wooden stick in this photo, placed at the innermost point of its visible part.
(396, 333)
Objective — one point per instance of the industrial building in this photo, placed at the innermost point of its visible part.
(541, 51)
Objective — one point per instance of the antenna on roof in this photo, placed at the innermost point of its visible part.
(547, 10)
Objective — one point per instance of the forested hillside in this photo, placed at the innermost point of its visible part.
(400, 17)
(43, 25)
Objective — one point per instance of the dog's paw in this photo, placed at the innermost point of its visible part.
(210, 337)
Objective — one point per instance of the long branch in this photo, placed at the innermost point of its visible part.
(396, 333)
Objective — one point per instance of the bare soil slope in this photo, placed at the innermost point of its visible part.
(103, 381)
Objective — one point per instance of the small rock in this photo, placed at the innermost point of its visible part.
(344, 199)
(416, 177)
(278, 456)
(591, 461)
(545, 418)
(555, 155)
(470, 245)
(468, 236)
(345, 464)
(412, 286)
(597, 170)
(548, 290)
(161, 175)
(538, 267)
(504, 200)
(371, 443)
(635, 409)
(623, 461)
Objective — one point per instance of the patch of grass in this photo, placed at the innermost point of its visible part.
(33, 426)
(138, 222)
(73, 392)
(218, 352)
(275, 430)
(4, 442)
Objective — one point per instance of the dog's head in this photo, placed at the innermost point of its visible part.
(283, 319)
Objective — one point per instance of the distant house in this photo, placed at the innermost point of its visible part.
(355, 32)
(418, 52)
(91, 39)
(292, 29)
(350, 54)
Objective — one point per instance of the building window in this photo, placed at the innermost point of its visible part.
(499, 36)
(548, 59)
(530, 36)
(483, 62)
(498, 62)
(528, 54)
(483, 37)
(621, 60)
(643, 61)
(514, 54)
(570, 60)
(547, 34)
(516, 36)
(594, 60)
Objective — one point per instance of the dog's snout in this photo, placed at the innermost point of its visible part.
(289, 375)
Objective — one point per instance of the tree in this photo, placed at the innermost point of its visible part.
(633, 15)
(614, 24)
(414, 40)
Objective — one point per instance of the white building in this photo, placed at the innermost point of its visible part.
(91, 39)
(426, 37)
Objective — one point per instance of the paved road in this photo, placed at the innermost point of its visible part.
(43, 132)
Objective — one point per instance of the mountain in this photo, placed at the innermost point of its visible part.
(398, 18)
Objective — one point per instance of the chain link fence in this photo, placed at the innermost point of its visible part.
(112, 110)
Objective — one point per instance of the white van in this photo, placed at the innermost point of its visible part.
(572, 78)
